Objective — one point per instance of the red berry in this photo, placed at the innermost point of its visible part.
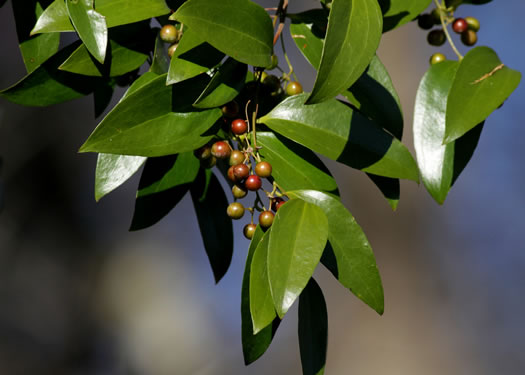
(230, 174)
(263, 169)
(253, 183)
(221, 150)
(241, 171)
(460, 25)
(239, 127)
(249, 230)
(266, 219)
(275, 201)
(278, 205)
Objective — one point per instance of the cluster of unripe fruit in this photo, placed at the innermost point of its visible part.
(240, 173)
(169, 34)
(466, 27)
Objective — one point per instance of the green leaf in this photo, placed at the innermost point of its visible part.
(210, 204)
(336, 131)
(46, 85)
(224, 86)
(37, 49)
(439, 164)
(482, 83)
(239, 28)
(356, 266)
(192, 57)
(297, 239)
(140, 82)
(117, 12)
(113, 170)
(313, 329)
(161, 60)
(353, 34)
(294, 166)
(261, 303)
(389, 187)
(155, 120)
(123, 60)
(253, 345)
(90, 26)
(163, 184)
(399, 12)
(373, 93)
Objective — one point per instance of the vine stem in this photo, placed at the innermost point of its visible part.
(447, 34)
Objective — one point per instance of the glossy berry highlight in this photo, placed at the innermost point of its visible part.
(266, 219)
(239, 127)
(263, 169)
(168, 34)
(294, 88)
(253, 183)
(459, 25)
(241, 171)
(221, 150)
(249, 230)
(236, 157)
(436, 58)
(235, 210)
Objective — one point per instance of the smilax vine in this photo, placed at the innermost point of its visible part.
(208, 96)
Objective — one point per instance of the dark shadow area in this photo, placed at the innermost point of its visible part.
(378, 104)
(329, 260)
(318, 18)
(184, 93)
(464, 148)
(389, 187)
(366, 145)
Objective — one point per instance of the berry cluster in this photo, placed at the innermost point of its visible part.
(466, 27)
(246, 170)
(169, 34)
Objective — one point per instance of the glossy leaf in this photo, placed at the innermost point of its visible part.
(164, 182)
(297, 239)
(192, 57)
(482, 83)
(155, 120)
(117, 12)
(161, 60)
(352, 38)
(399, 12)
(373, 93)
(294, 166)
(37, 49)
(334, 130)
(439, 164)
(210, 204)
(356, 267)
(140, 82)
(90, 26)
(261, 303)
(123, 60)
(46, 85)
(389, 187)
(239, 28)
(113, 170)
(253, 345)
(313, 329)
(224, 86)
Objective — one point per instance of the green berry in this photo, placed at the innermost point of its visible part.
(239, 191)
(435, 16)
(168, 34)
(437, 58)
(203, 152)
(172, 49)
(266, 219)
(294, 88)
(263, 169)
(436, 38)
(273, 82)
(235, 210)
(249, 230)
(473, 23)
(236, 157)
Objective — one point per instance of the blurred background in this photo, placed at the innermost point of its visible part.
(79, 294)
